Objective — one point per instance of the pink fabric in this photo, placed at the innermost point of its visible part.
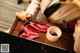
(31, 31)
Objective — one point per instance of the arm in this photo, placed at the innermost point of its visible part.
(33, 7)
(31, 10)
(76, 36)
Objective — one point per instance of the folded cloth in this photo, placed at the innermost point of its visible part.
(31, 31)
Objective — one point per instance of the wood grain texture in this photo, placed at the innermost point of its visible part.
(66, 41)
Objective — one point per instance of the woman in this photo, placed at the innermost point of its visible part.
(36, 4)
(43, 5)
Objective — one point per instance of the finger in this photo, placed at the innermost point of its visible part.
(25, 17)
(22, 17)
(29, 15)
(17, 13)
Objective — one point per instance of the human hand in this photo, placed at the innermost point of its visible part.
(23, 15)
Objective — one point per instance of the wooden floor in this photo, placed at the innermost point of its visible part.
(8, 9)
